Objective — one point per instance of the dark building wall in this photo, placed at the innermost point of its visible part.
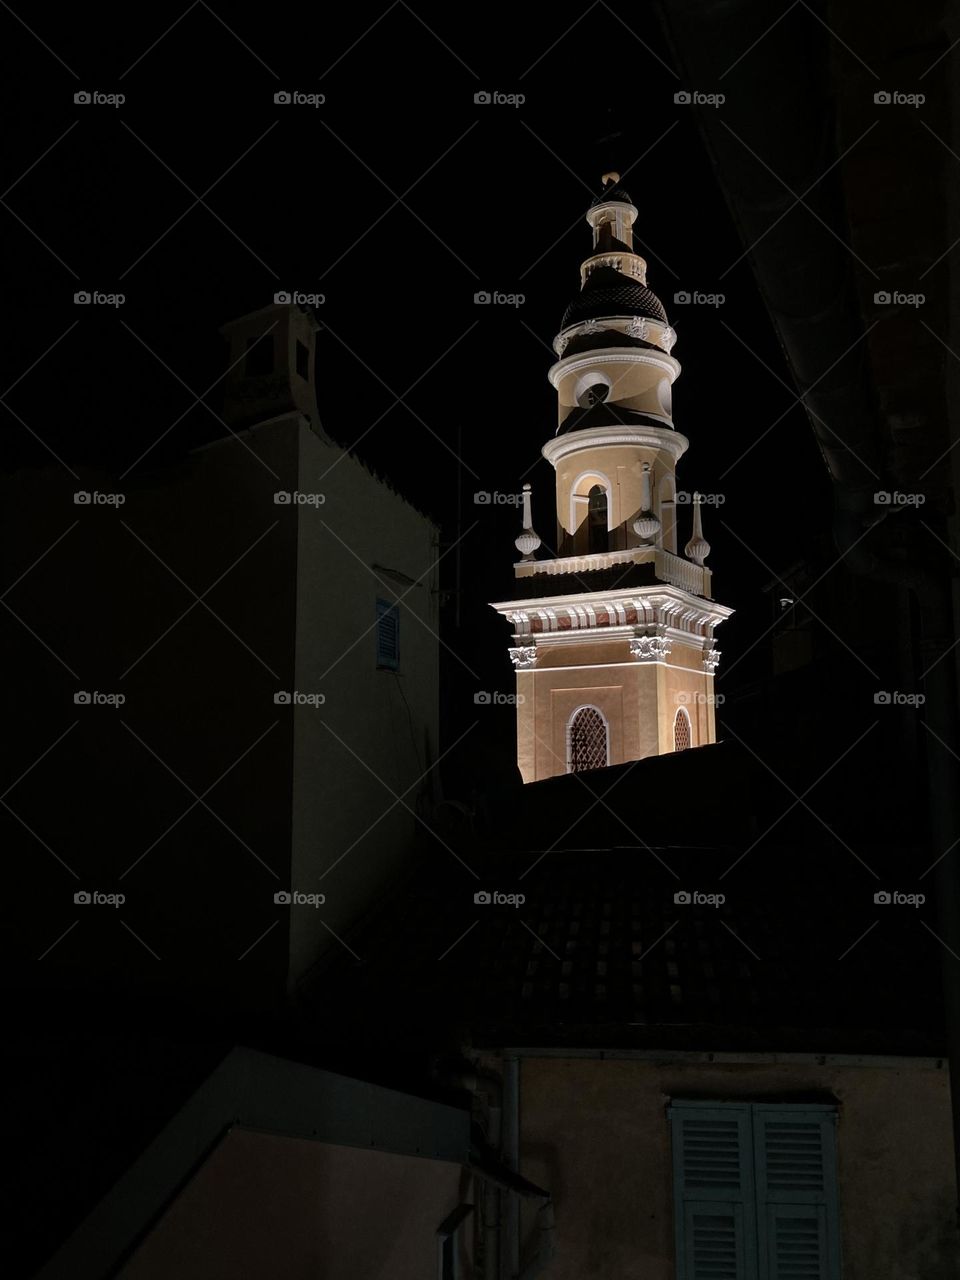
(112, 610)
(265, 1205)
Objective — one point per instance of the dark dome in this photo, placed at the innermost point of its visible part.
(610, 194)
(608, 293)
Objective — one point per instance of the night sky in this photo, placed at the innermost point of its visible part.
(398, 199)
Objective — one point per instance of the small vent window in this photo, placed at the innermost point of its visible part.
(388, 636)
(681, 731)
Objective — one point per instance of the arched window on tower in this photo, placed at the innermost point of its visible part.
(596, 520)
(682, 736)
(588, 742)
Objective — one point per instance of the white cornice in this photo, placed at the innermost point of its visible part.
(613, 355)
(660, 596)
(592, 437)
(596, 209)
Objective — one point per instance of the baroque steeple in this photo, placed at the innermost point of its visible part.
(614, 634)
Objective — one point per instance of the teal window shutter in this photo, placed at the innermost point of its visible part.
(714, 1192)
(797, 1204)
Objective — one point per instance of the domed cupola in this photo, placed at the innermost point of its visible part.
(609, 294)
(615, 307)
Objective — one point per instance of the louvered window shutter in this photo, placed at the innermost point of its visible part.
(388, 636)
(715, 1202)
(797, 1207)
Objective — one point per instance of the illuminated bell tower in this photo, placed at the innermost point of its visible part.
(613, 637)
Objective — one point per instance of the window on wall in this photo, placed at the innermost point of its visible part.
(755, 1191)
(587, 741)
(681, 731)
(597, 519)
(388, 635)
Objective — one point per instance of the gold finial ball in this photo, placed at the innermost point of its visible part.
(610, 177)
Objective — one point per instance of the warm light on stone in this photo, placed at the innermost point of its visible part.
(613, 640)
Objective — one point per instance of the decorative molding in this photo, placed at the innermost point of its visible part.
(646, 328)
(665, 438)
(711, 660)
(654, 602)
(652, 645)
(524, 657)
(627, 263)
(609, 355)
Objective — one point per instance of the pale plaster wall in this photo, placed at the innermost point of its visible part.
(595, 1133)
(638, 699)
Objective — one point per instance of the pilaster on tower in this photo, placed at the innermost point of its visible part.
(613, 638)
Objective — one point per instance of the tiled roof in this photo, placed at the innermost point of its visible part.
(600, 952)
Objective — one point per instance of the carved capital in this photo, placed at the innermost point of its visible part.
(524, 657)
(711, 659)
(651, 645)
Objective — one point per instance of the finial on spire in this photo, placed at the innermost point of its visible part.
(698, 548)
(528, 540)
(646, 526)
